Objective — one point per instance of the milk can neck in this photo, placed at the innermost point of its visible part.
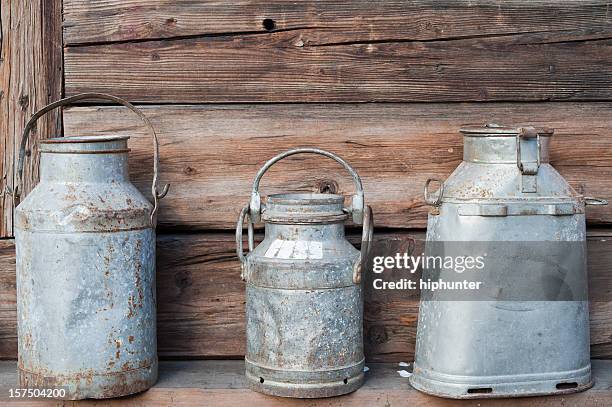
(84, 159)
(496, 149)
(317, 232)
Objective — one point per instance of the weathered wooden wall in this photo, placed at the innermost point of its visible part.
(30, 77)
(228, 84)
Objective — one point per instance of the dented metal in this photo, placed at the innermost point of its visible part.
(304, 296)
(85, 243)
(506, 194)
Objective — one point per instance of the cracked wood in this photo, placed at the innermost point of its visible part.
(280, 67)
(327, 21)
(210, 154)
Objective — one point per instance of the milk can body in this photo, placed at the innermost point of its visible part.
(85, 246)
(524, 335)
(304, 297)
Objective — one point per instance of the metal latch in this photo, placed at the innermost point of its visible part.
(529, 169)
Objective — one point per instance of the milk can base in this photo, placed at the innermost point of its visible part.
(306, 391)
(94, 386)
(304, 384)
(462, 387)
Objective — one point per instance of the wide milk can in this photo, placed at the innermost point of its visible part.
(304, 296)
(85, 242)
(525, 330)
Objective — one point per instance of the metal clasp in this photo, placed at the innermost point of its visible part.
(529, 170)
(429, 200)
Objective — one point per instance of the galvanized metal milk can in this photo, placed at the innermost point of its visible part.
(304, 297)
(526, 331)
(85, 242)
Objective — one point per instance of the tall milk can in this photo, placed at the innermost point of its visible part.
(85, 243)
(526, 330)
(304, 296)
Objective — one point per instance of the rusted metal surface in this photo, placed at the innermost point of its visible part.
(85, 254)
(506, 194)
(304, 295)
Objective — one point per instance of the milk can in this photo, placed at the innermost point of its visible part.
(304, 297)
(85, 243)
(526, 330)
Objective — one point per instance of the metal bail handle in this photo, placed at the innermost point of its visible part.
(528, 132)
(428, 198)
(366, 244)
(244, 214)
(357, 203)
(62, 102)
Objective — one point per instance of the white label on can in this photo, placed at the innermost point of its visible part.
(286, 249)
(273, 249)
(299, 250)
(315, 250)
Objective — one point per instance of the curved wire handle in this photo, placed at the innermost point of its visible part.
(244, 214)
(62, 102)
(357, 202)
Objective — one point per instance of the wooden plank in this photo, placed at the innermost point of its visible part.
(201, 299)
(280, 67)
(210, 154)
(222, 383)
(324, 21)
(8, 300)
(30, 77)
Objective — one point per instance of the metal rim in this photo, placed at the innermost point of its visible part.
(83, 139)
(305, 199)
(496, 130)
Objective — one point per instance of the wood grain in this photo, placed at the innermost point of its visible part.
(30, 77)
(210, 154)
(280, 68)
(221, 383)
(325, 21)
(201, 299)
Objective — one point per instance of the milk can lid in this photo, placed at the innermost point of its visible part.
(493, 129)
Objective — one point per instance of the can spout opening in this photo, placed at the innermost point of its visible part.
(304, 208)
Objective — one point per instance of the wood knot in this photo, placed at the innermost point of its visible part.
(189, 170)
(183, 279)
(328, 186)
(377, 334)
(268, 24)
(24, 102)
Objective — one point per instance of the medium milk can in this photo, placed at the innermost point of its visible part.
(85, 243)
(304, 297)
(525, 331)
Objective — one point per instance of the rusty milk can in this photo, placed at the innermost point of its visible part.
(304, 295)
(526, 332)
(85, 242)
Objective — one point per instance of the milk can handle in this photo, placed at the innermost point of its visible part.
(429, 200)
(366, 243)
(357, 203)
(62, 102)
(244, 214)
